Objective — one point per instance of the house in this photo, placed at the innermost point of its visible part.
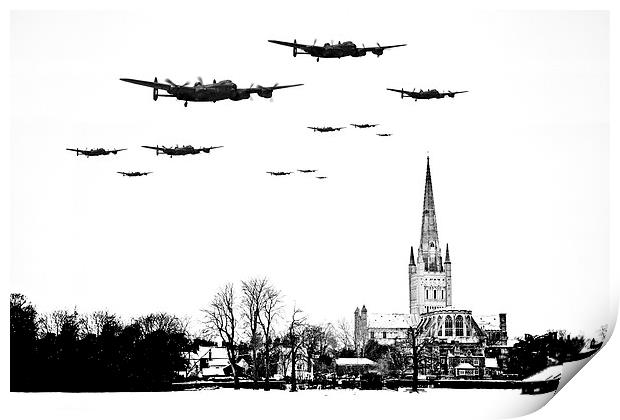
(353, 366)
(304, 366)
(208, 361)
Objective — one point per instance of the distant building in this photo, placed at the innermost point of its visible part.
(211, 361)
(304, 365)
(460, 340)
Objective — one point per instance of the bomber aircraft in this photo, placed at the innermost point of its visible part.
(134, 173)
(325, 129)
(364, 125)
(426, 94)
(339, 50)
(384, 134)
(279, 173)
(181, 151)
(306, 171)
(211, 92)
(321, 177)
(95, 152)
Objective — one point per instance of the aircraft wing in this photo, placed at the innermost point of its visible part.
(208, 149)
(293, 45)
(285, 86)
(116, 150)
(399, 91)
(148, 84)
(382, 47)
(154, 147)
(76, 150)
(263, 88)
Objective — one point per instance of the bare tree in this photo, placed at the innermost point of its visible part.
(253, 295)
(161, 321)
(344, 333)
(221, 318)
(296, 334)
(269, 311)
(320, 340)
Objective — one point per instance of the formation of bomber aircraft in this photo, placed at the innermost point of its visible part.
(226, 89)
(303, 171)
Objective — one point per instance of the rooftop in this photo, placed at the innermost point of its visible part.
(354, 361)
(391, 320)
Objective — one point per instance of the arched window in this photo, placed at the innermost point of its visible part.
(439, 329)
(459, 326)
(448, 326)
(442, 294)
(426, 290)
(434, 294)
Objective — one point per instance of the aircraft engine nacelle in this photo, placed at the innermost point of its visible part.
(378, 51)
(266, 93)
(241, 95)
(155, 92)
(359, 53)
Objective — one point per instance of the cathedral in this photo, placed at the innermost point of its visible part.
(461, 339)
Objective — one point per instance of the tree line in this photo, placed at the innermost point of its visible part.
(69, 351)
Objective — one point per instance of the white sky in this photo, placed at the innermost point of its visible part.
(520, 164)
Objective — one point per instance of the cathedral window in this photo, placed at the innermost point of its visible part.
(439, 332)
(372, 335)
(442, 293)
(384, 334)
(434, 294)
(426, 291)
(448, 325)
(459, 326)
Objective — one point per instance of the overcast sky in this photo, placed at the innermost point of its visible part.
(519, 164)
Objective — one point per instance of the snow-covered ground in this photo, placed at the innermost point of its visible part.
(307, 404)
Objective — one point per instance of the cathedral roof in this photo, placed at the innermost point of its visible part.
(391, 320)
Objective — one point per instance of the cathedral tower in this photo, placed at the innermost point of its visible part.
(430, 280)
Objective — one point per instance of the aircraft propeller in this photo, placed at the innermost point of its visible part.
(170, 82)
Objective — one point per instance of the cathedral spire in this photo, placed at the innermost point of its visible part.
(447, 253)
(411, 257)
(429, 237)
(429, 222)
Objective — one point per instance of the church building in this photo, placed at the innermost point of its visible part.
(431, 311)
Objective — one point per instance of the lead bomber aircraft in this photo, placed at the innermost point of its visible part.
(339, 50)
(211, 92)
